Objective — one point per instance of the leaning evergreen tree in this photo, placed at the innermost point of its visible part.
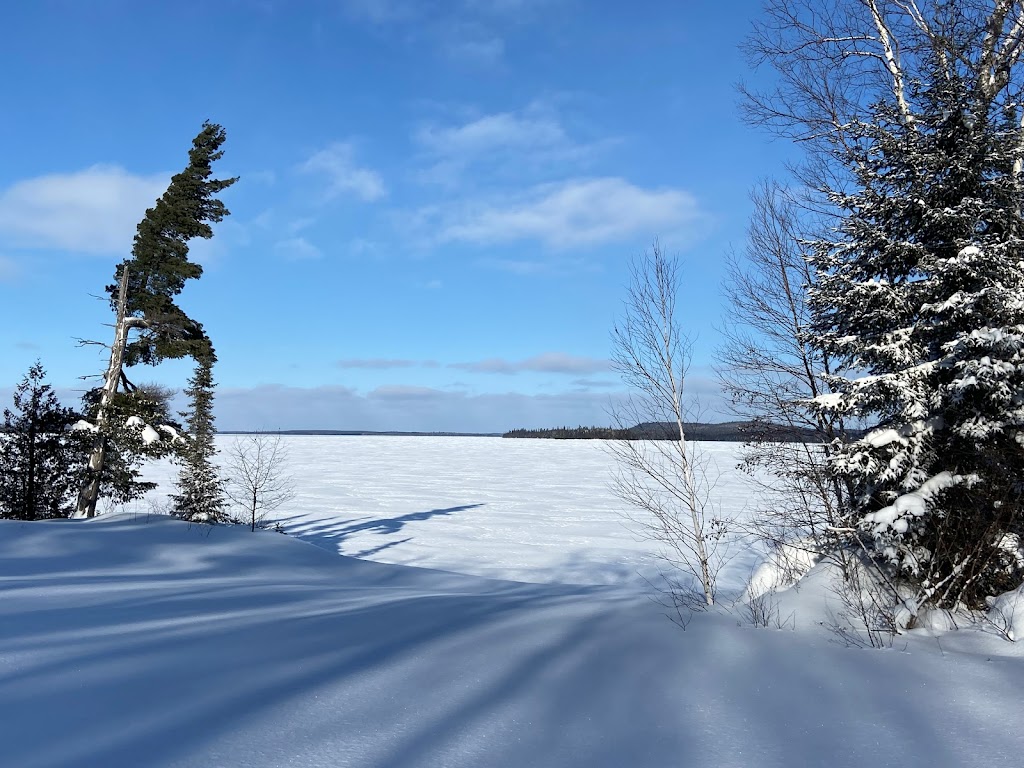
(37, 455)
(200, 496)
(921, 296)
(144, 291)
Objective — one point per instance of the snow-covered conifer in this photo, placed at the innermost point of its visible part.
(200, 493)
(38, 470)
(921, 295)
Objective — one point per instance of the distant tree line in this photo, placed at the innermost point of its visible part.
(730, 431)
(572, 433)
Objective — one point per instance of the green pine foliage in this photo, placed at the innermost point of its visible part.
(159, 265)
(921, 296)
(38, 478)
(200, 495)
(139, 428)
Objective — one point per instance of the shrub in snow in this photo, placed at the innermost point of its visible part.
(1006, 613)
(256, 480)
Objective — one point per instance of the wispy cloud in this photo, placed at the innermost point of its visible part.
(386, 364)
(514, 8)
(336, 163)
(382, 11)
(476, 46)
(527, 142)
(95, 210)
(520, 130)
(403, 392)
(549, 362)
(570, 214)
(297, 248)
(595, 384)
(468, 31)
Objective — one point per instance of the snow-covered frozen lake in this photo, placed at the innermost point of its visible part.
(523, 510)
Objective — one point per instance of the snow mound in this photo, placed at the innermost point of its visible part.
(783, 567)
(1006, 612)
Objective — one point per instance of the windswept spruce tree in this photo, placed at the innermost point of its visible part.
(200, 496)
(37, 453)
(911, 115)
(144, 291)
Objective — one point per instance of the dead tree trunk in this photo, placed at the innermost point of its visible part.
(90, 492)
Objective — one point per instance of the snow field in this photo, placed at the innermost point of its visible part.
(519, 509)
(139, 640)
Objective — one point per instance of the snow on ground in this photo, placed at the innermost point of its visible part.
(138, 640)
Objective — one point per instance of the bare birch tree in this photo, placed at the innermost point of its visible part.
(256, 481)
(771, 368)
(664, 480)
(833, 61)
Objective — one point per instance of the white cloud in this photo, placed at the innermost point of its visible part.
(549, 362)
(403, 392)
(531, 142)
(91, 211)
(570, 214)
(297, 248)
(521, 130)
(386, 363)
(336, 163)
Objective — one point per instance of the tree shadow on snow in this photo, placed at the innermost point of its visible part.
(330, 534)
(151, 645)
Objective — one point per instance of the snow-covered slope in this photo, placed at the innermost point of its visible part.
(143, 641)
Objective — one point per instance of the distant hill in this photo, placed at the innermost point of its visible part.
(729, 431)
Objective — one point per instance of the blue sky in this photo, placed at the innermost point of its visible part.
(437, 206)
